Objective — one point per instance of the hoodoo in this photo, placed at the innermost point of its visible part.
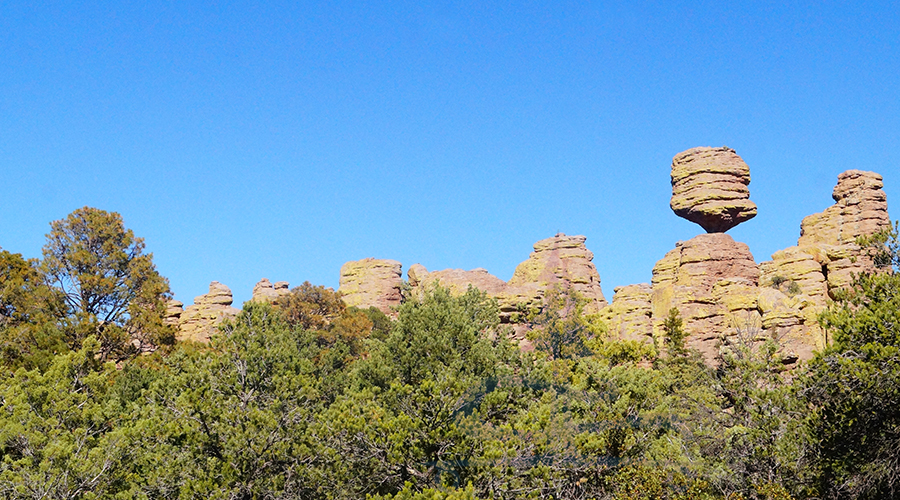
(709, 187)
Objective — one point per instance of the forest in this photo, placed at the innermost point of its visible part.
(307, 398)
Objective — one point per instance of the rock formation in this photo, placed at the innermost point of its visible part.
(712, 281)
(456, 280)
(561, 260)
(265, 291)
(174, 309)
(558, 261)
(709, 187)
(200, 321)
(860, 209)
(719, 290)
(371, 282)
(629, 315)
(800, 280)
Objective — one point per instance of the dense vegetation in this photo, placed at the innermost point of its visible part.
(310, 399)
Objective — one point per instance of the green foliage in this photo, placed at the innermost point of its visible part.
(560, 329)
(311, 399)
(408, 493)
(231, 422)
(853, 390)
(110, 285)
(778, 280)
(673, 327)
(29, 315)
(405, 420)
(381, 323)
(311, 307)
(883, 247)
(56, 433)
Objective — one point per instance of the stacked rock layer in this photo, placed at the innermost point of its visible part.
(201, 320)
(372, 283)
(720, 292)
(713, 281)
(709, 187)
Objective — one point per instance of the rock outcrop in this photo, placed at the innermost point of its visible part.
(562, 261)
(371, 283)
(174, 309)
(629, 316)
(709, 187)
(719, 290)
(860, 209)
(456, 280)
(712, 281)
(800, 280)
(265, 291)
(201, 320)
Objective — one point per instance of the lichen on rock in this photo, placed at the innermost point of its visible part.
(201, 320)
(372, 282)
(709, 187)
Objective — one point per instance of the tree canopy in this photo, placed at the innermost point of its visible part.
(111, 287)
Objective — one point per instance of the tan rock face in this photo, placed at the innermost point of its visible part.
(799, 282)
(456, 280)
(860, 209)
(265, 291)
(709, 187)
(712, 280)
(174, 309)
(371, 283)
(558, 261)
(629, 315)
(201, 320)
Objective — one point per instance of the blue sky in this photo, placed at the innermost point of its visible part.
(280, 139)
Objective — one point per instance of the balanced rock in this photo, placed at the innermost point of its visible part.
(712, 280)
(371, 283)
(265, 291)
(562, 261)
(709, 187)
(201, 320)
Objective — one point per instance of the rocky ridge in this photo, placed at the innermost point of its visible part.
(712, 280)
(560, 260)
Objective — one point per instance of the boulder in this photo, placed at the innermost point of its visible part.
(709, 187)
(371, 283)
(201, 320)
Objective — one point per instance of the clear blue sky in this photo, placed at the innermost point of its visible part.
(280, 139)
